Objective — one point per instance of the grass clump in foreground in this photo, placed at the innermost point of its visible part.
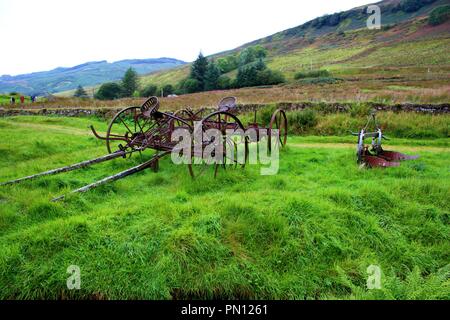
(309, 232)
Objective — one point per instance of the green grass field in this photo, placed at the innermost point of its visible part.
(309, 232)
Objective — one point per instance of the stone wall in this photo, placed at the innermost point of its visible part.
(333, 107)
(344, 107)
(66, 112)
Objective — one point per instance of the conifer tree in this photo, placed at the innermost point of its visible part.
(80, 92)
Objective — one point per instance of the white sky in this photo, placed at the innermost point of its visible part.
(40, 35)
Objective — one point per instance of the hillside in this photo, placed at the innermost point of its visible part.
(341, 43)
(86, 74)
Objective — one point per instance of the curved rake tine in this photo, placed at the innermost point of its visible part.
(117, 176)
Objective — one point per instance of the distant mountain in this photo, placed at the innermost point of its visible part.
(86, 74)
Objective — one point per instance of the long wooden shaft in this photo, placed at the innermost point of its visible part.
(75, 166)
(117, 176)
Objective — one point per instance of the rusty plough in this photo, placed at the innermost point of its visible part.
(374, 155)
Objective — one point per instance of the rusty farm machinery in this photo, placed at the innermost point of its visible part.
(137, 129)
(374, 155)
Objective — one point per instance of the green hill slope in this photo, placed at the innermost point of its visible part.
(344, 45)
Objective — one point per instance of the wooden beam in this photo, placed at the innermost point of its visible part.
(119, 175)
(71, 167)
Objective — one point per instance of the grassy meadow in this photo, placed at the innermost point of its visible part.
(309, 232)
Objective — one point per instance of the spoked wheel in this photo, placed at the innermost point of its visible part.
(219, 147)
(127, 129)
(186, 115)
(279, 122)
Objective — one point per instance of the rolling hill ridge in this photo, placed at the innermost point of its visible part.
(86, 74)
(405, 45)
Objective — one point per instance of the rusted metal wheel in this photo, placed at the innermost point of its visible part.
(188, 115)
(278, 121)
(185, 114)
(127, 129)
(233, 150)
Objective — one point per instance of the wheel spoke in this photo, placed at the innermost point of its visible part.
(135, 120)
(117, 124)
(120, 117)
(140, 127)
(221, 121)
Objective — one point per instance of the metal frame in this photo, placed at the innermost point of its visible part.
(157, 136)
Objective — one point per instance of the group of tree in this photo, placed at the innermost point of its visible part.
(207, 75)
(257, 74)
(333, 20)
(153, 90)
(439, 15)
(126, 88)
(329, 20)
(411, 5)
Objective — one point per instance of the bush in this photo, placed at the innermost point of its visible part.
(252, 54)
(149, 91)
(227, 63)
(224, 83)
(360, 110)
(190, 85)
(246, 76)
(302, 120)
(108, 91)
(269, 77)
(321, 80)
(167, 90)
(439, 15)
(312, 74)
(265, 114)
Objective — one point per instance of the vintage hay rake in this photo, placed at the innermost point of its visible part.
(136, 129)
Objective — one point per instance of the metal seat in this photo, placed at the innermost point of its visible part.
(227, 104)
(150, 106)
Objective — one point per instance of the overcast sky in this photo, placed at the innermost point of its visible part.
(40, 35)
